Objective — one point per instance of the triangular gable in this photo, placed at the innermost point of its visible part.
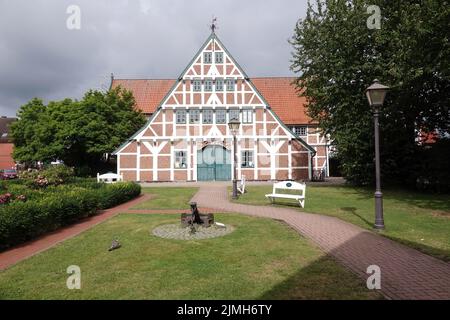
(229, 68)
(198, 68)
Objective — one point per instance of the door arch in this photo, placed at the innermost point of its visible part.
(213, 164)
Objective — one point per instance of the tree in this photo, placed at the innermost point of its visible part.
(337, 57)
(77, 132)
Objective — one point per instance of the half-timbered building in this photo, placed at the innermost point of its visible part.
(186, 137)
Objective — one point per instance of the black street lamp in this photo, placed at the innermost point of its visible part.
(234, 128)
(375, 95)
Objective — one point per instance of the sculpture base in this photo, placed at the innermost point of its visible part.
(175, 231)
(206, 219)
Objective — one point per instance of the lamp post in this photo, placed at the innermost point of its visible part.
(234, 128)
(375, 95)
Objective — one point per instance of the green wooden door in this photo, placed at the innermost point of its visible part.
(213, 164)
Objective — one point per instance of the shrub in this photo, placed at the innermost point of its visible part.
(58, 174)
(5, 198)
(58, 206)
(117, 193)
(17, 190)
(52, 175)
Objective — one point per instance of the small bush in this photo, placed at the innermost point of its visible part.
(51, 176)
(117, 193)
(57, 206)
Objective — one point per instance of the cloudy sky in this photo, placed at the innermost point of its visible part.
(41, 57)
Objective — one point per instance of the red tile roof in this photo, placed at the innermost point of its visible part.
(280, 94)
(147, 92)
(282, 97)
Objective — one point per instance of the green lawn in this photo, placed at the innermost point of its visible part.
(167, 198)
(261, 259)
(419, 220)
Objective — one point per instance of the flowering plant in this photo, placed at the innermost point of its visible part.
(5, 198)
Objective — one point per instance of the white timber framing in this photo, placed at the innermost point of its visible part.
(243, 96)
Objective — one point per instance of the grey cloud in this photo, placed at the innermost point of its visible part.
(40, 57)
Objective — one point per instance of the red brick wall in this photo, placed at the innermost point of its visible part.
(180, 175)
(131, 148)
(129, 175)
(128, 161)
(6, 160)
(147, 162)
(146, 176)
(300, 174)
(282, 174)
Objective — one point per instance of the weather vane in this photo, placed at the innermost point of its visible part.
(213, 24)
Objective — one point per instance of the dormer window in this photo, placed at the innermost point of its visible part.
(300, 130)
(219, 57)
(207, 57)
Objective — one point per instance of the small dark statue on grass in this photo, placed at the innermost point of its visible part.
(196, 218)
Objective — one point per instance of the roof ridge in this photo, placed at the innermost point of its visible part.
(144, 78)
(263, 77)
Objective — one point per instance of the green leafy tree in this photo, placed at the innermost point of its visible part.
(337, 57)
(77, 132)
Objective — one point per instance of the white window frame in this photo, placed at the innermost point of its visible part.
(194, 116)
(230, 84)
(196, 85)
(247, 116)
(218, 54)
(207, 57)
(210, 118)
(301, 131)
(219, 84)
(208, 85)
(224, 111)
(234, 110)
(247, 159)
(180, 157)
(180, 116)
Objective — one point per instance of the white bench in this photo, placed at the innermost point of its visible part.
(241, 186)
(109, 177)
(299, 188)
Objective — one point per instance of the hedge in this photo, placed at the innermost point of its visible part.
(22, 221)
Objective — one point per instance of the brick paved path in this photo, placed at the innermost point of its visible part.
(405, 273)
(28, 249)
